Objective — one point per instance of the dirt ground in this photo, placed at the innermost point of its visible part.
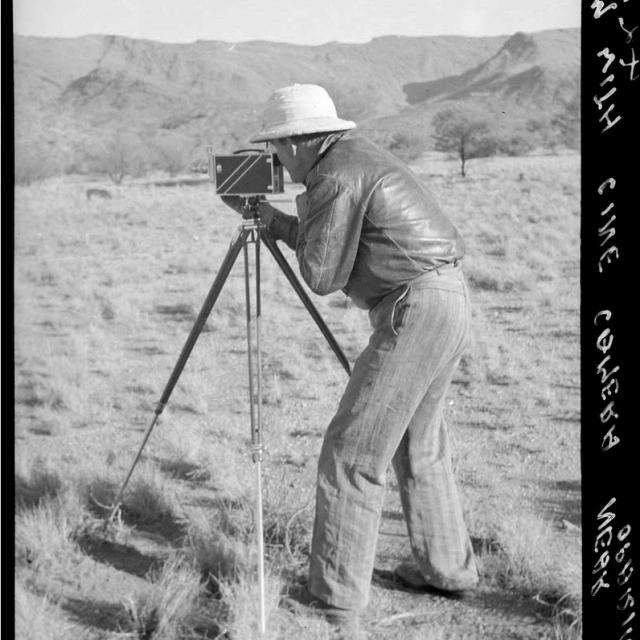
(106, 293)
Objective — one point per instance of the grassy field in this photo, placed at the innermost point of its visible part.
(106, 293)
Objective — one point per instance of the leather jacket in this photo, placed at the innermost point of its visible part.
(366, 223)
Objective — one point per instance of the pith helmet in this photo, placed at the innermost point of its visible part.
(299, 109)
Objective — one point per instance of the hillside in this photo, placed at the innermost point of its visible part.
(73, 93)
(49, 69)
(533, 69)
(532, 82)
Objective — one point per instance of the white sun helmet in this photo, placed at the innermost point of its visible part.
(299, 109)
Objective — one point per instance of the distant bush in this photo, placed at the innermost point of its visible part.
(117, 155)
(540, 130)
(380, 137)
(407, 147)
(30, 165)
(513, 143)
(170, 152)
(403, 145)
(561, 128)
(567, 124)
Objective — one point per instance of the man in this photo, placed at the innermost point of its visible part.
(367, 225)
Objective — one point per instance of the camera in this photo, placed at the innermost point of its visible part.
(247, 172)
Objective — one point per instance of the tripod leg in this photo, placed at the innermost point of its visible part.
(212, 296)
(256, 415)
(302, 294)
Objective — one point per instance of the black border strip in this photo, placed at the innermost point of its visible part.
(610, 455)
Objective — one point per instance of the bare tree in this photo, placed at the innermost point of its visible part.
(464, 130)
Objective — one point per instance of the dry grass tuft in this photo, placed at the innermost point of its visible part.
(521, 558)
(96, 485)
(149, 498)
(223, 543)
(99, 494)
(242, 597)
(45, 534)
(566, 618)
(40, 393)
(33, 484)
(169, 609)
(228, 472)
(217, 555)
(37, 618)
(566, 614)
(288, 516)
(187, 456)
(523, 563)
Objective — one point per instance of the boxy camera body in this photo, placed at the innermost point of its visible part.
(246, 173)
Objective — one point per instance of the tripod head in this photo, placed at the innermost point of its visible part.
(247, 206)
(251, 207)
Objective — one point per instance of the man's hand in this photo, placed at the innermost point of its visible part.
(237, 203)
(266, 212)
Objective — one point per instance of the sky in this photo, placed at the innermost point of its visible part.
(295, 21)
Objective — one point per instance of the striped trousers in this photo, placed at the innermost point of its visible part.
(392, 413)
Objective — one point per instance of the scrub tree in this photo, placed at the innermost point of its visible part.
(464, 130)
(117, 154)
(171, 152)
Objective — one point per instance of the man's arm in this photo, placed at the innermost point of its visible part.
(328, 234)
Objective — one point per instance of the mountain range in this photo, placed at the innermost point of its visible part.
(70, 92)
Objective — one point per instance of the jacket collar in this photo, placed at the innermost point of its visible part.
(324, 147)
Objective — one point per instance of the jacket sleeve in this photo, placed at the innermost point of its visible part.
(328, 234)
